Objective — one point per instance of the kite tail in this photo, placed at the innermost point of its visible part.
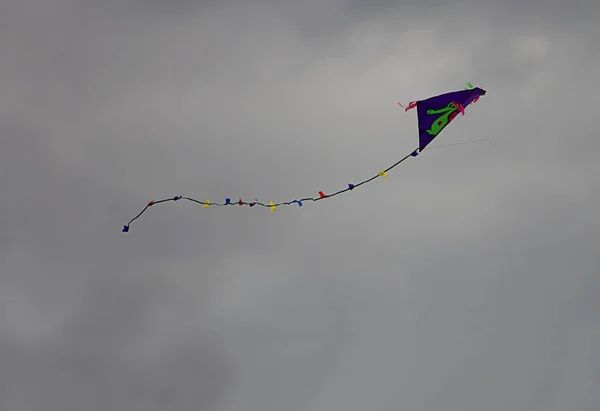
(271, 205)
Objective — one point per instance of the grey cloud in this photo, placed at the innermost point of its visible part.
(462, 282)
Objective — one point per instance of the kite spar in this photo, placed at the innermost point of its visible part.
(433, 114)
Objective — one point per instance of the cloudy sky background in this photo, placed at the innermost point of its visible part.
(466, 281)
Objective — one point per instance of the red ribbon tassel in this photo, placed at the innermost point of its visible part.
(410, 106)
(459, 107)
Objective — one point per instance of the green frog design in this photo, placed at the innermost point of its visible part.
(447, 114)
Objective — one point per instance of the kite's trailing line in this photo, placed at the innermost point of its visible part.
(463, 142)
(273, 206)
(434, 115)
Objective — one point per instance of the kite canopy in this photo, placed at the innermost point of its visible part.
(437, 112)
(434, 114)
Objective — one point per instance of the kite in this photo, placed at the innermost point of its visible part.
(433, 114)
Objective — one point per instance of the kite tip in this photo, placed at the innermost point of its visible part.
(125, 229)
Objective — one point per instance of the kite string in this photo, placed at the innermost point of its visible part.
(461, 143)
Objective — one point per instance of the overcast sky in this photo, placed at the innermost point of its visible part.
(468, 280)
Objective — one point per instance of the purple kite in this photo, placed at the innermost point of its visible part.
(437, 112)
(434, 114)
